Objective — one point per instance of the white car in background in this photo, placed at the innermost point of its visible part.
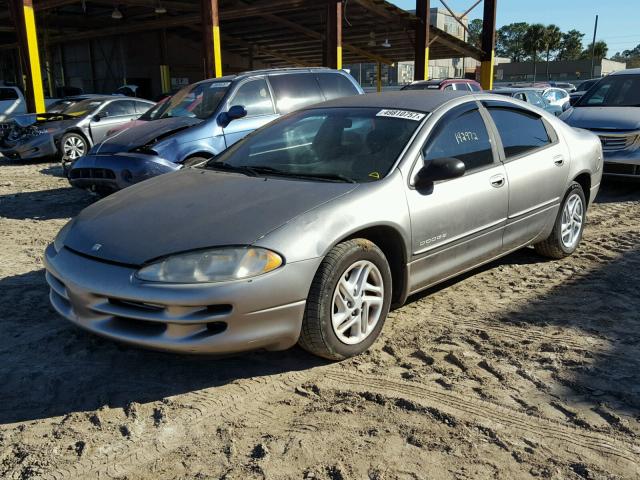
(11, 102)
(556, 96)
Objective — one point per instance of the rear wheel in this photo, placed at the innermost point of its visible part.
(72, 146)
(567, 230)
(348, 301)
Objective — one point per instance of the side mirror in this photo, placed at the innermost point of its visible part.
(566, 106)
(234, 113)
(99, 116)
(439, 169)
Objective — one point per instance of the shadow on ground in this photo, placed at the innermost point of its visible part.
(50, 367)
(45, 204)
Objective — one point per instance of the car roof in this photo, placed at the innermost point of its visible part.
(630, 71)
(417, 100)
(499, 91)
(268, 71)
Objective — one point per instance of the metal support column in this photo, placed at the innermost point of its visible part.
(421, 61)
(211, 38)
(333, 37)
(165, 75)
(379, 77)
(488, 43)
(25, 24)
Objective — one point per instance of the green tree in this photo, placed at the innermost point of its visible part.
(599, 52)
(510, 41)
(475, 31)
(552, 41)
(534, 43)
(631, 57)
(570, 45)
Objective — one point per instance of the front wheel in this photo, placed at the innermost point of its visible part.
(194, 161)
(348, 302)
(72, 146)
(567, 230)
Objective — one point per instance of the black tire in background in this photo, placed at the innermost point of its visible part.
(318, 335)
(554, 246)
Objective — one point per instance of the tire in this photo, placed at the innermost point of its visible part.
(190, 162)
(555, 245)
(343, 265)
(72, 146)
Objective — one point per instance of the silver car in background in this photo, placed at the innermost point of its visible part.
(310, 228)
(611, 110)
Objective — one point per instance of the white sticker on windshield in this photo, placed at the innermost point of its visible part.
(220, 84)
(401, 114)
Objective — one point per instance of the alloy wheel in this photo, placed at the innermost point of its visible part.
(572, 219)
(357, 302)
(73, 148)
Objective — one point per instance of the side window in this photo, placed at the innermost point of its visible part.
(294, 91)
(335, 86)
(141, 107)
(8, 94)
(448, 87)
(474, 87)
(464, 138)
(520, 96)
(520, 131)
(462, 86)
(119, 108)
(254, 97)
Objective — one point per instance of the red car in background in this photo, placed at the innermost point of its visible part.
(463, 84)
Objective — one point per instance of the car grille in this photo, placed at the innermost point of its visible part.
(141, 318)
(621, 169)
(97, 173)
(613, 143)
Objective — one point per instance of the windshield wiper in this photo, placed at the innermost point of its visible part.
(329, 177)
(255, 170)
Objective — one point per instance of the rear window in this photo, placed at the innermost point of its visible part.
(520, 131)
(294, 91)
(8, 94)
(335, 86)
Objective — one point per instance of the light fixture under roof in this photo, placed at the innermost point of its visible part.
(372, 39)
(386, 43)
(160, 9)
(116, 14)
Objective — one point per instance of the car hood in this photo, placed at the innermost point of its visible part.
(52, 120)
(143, 134)
(604, 118)
(192, 209)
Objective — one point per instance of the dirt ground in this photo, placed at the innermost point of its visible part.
(525, 368)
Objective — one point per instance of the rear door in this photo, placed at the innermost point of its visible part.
(537, 167)
(459, 222)
(254, 95)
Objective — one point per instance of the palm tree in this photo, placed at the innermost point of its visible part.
(534, 43)
(553, 41)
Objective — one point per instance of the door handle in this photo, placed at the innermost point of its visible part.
(497, 181)
(558, 160)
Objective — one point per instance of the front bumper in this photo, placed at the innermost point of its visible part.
(110, 173)
(622, 164)
(35, 148)
(263, 312)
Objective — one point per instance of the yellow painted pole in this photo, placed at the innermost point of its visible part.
(379, 77)
(33, 56)
(426, 63)
(165, 78)
(486, 72)
(217, 50)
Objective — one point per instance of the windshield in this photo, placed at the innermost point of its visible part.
(614, 91)
(332, 144)
(82, 107)
(154, 112)
(197, 101)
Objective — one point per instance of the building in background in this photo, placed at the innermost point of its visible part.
(402, 72)
(560, 70)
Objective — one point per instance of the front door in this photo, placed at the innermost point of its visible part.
(537, 166)
(253, 94)
(110, 116)
(458, 223)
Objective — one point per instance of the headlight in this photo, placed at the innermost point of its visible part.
(215, 265)
(58, 243)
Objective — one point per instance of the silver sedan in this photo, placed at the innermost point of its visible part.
(311, 228)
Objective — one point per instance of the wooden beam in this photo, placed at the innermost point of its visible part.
(332, 47)
(488, 43)
(211, 39)
(421, 47)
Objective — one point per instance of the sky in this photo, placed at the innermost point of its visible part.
(618, 22)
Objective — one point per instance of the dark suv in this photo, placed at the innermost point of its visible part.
(202, 120)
